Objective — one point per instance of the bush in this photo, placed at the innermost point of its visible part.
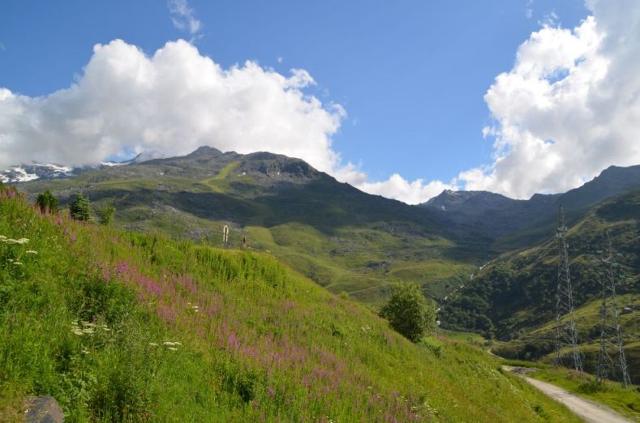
(409, 312)
(105, 214)
(47, 203)
(79, 208)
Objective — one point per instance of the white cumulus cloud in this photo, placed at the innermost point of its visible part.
(568, 108)
(172, 102)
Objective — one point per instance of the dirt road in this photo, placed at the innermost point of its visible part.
(587, 410)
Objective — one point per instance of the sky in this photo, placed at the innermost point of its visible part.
(401, 99)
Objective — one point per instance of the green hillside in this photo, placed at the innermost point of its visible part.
(120, 326)
(338, 236)
(513, 298)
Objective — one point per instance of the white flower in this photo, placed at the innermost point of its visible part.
(20, 241)
(31, 252)
(172, 349)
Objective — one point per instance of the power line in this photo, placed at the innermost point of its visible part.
(610, 330)
(566, 332)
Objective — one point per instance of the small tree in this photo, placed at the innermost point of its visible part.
(79, 208)
(47, 203)
(105, 214)
(409, 312)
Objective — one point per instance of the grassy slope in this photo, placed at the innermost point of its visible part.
(332, 235)
(86, 318)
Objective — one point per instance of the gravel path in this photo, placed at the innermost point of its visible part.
(587, 410)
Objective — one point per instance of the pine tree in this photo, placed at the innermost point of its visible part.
(80, 208)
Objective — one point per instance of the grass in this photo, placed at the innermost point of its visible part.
(122, 326)
(341, 238)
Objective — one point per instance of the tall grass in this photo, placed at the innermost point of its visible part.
(121, 326)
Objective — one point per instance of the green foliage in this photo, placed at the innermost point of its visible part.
(80, 208)
(120, 326)
(513, 297)
(47, 203)
(341, 238)
(106, 214)
(409, 312)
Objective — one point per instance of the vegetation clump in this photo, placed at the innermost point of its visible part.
(80, 208)
(409, 312)
(47, 203)
(106, 214)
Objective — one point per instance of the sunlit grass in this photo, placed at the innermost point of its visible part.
(122, 326)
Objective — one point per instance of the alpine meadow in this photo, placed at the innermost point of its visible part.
(326, 212)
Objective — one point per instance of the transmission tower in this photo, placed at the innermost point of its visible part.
(610, 331)
(566, 332)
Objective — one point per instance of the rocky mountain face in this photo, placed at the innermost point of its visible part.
(518, 223)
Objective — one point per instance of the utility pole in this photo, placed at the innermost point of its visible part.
(610, 330)
(566, 332)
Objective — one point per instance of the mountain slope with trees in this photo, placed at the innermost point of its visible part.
(513, 297)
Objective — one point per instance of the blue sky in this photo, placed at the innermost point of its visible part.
(411, 75)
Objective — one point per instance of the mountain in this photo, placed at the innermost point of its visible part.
(513, 224)
(24, 173)
(122, 326)
(338, 236)
(47, 171)
(513, 297)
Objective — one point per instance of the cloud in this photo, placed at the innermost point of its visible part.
(414, 192)
(183, 17)
(528, 9)
(172, 102)
(568, 108)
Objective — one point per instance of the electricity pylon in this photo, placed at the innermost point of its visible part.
(566, 332)
(610, 331)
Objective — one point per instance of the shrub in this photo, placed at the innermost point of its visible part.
(47, 203)
(105, 214)
(79, 208)
(409, 312)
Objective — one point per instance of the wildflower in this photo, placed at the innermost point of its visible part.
(84, 351)
(172, 349)
(17, 263)
(77, 331)
(33, 252)
(153, 344)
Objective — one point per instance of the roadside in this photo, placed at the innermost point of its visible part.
(585, 409)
